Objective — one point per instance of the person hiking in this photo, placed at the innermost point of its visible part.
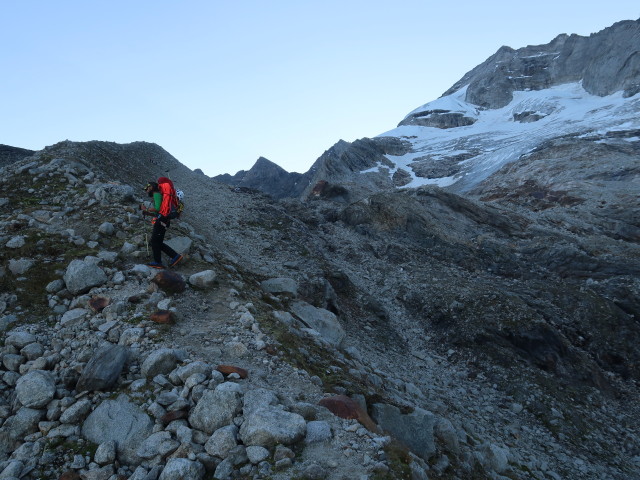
(161, 194)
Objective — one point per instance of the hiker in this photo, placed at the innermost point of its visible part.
(160, 192)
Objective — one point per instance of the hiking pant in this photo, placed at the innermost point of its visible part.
(157, 241)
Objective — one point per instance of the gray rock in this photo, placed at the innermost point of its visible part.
(162, 361)
(103, 370)
(494, 457)
(280, 285)
(81, 276)
(122, 422)
(257, 398)
(131, 336)
(318, 431)
(20, 266)
(55, 286)
(180, 244)
(73, 317)
(24, 422)
(416, 430)
(106, 228)
(181, 469)
(159, 444)
(446, 433)
(12, 361)
(270, 426)
(203, 279)
(321, 320)
(20, 339)
(12, 471)
(36, 389)
(32, 351)
(180, 375)
(105, 453)
(215, 409)
(114, 193)
(102, 473)
(15, 242)
(257, 454)
(109, 257)
(222, 441)
(77, 412)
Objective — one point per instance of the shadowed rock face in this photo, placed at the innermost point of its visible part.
(268, 178)
(10, 155)
(606, 62)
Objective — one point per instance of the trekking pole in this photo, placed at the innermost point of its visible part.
(146, 243)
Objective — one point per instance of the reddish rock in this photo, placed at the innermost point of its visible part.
(98, 304)
(169, 417)
(271, 349)
(70, 475)
(166, 317)
(345, 407)
(134, 299)
(229, 369)
(170, 282)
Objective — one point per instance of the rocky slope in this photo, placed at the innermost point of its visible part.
(462, 339)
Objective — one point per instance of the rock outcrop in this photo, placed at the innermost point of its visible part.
(605, 62)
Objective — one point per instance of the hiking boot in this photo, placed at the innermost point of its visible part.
(157, 265)
(175, 260)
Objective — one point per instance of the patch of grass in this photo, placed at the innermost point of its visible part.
(49, 253)
(399, 460)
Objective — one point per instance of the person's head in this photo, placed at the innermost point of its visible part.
(150, 188)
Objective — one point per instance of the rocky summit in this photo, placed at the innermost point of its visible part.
(374, 327)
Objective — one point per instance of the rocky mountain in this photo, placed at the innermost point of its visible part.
(483, 326)
(269, 178)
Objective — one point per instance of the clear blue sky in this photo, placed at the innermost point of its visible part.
(220, 83)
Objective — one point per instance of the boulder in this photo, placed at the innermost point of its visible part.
(104, 369)
(180, 244)
(415, 430)
(20, 339)
(161, 361)
(182, 468)
(82, 275)
(122, 422)
(321, 320)
(222, 441)
(318, 431)
(215, 409)
(280, 285)
(203, 279)
(36, 389)
(159, 444)
(269, 426)
(20, 266)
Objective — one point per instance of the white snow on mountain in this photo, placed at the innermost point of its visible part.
(497, 137)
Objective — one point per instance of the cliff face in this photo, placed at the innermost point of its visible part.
(605, 62)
